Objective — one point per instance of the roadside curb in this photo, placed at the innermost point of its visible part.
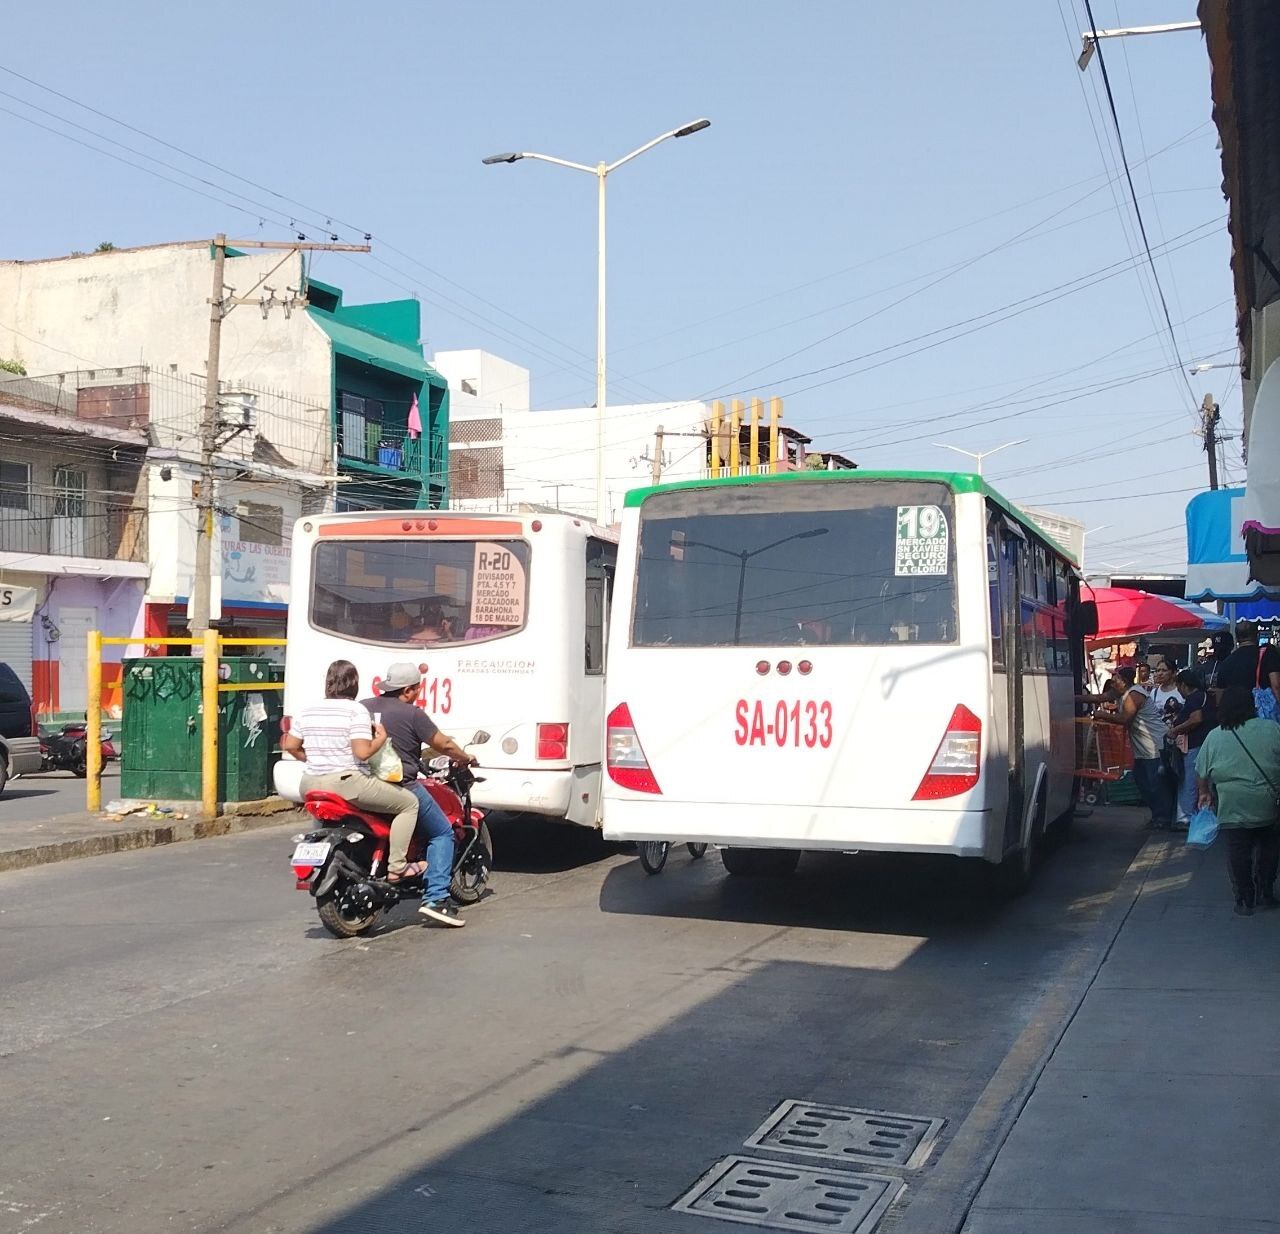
(944, 1203)
(125, 837)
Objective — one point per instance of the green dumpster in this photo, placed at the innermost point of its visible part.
(245, 728)
(161, 758)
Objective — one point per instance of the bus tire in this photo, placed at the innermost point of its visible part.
(1015, 873)
(760, 862)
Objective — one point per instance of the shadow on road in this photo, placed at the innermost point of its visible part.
(15, 794)
(886, 893)
(605, 1129)
(529, 844)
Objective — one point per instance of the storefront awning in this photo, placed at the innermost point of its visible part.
(1217, 567)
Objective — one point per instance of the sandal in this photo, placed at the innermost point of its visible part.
(412, 869)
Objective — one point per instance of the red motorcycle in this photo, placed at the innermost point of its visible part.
(67, 749)
(343, 866)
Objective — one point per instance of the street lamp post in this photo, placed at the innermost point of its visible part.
(745, 556)
(1089, 38)
(601, 172)
(981, 454)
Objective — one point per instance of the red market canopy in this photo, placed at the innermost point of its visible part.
(1125, 614)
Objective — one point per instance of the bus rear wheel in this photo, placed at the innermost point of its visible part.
(760, 862)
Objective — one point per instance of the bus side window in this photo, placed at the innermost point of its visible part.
(595, 595)
(601, 562)
(993, 591)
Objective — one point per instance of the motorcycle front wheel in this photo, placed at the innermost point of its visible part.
(468, 884)
(653, 855)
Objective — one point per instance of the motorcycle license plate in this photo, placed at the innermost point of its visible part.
(311, 854)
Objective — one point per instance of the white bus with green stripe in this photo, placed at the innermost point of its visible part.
(879, 660)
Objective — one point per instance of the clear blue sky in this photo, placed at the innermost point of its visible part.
(858, 153)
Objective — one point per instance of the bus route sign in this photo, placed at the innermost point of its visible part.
(497, 587)
(921, 543)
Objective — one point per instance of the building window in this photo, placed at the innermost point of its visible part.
(70, 488)
(15, 486)
(262, 524)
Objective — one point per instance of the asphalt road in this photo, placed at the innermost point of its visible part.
(51, 794)
(184, 1049)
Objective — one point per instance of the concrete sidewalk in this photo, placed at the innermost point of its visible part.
(31, 843)
(1159, 1110)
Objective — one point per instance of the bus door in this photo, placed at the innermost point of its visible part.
(1013, 545)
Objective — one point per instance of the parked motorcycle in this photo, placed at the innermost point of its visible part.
(67, 749)
(343, 865)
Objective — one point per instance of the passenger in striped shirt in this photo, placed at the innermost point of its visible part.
(337, 738)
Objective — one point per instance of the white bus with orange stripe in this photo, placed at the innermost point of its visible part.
(506, 616)
(842, 661)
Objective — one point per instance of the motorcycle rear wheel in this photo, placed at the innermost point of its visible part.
(338, 923)
(468, 886)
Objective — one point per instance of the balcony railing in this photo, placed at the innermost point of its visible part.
(380, 445)
(746, 469)
(40, 520)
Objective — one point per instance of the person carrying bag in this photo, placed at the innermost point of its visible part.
(1239, 764)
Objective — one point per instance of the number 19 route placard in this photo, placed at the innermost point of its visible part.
(921, 543)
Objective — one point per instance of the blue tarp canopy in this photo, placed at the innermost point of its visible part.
(1217, 568)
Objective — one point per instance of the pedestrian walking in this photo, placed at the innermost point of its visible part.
(1254, 668)
(1139, 714)
(1238, 774)
(1191, 725)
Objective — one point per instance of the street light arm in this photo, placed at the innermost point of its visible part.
(695, 126)
(1022, 441)
(529, 154)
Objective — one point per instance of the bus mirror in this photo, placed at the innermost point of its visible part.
(479, 739)
(1087, 618)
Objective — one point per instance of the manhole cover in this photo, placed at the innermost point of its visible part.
(786, 1197)
(848, 1135)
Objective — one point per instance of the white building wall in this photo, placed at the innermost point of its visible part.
(482, 384)
(251, 572)
(151, 306)
(550, 456)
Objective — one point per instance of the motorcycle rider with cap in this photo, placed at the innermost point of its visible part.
(409, 729)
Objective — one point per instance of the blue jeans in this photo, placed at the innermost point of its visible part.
(1155, 789)
(432, 820)
(1187, 794)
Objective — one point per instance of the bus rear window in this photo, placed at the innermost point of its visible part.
(420, 592)
(842, 563)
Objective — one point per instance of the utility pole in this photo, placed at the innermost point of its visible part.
(198, 619)
(1209, 417)
(657, 456)
(220, 306)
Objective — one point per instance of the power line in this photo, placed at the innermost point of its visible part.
(1133, 194)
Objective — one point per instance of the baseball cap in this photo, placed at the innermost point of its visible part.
(400, 676)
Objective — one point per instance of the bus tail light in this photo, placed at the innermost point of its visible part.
(553, 741)
(628, 767)
(955, 767)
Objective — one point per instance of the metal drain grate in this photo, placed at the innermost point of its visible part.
(848, 1135)
(787, 1197)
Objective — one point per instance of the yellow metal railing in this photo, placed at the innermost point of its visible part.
(210, 687)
